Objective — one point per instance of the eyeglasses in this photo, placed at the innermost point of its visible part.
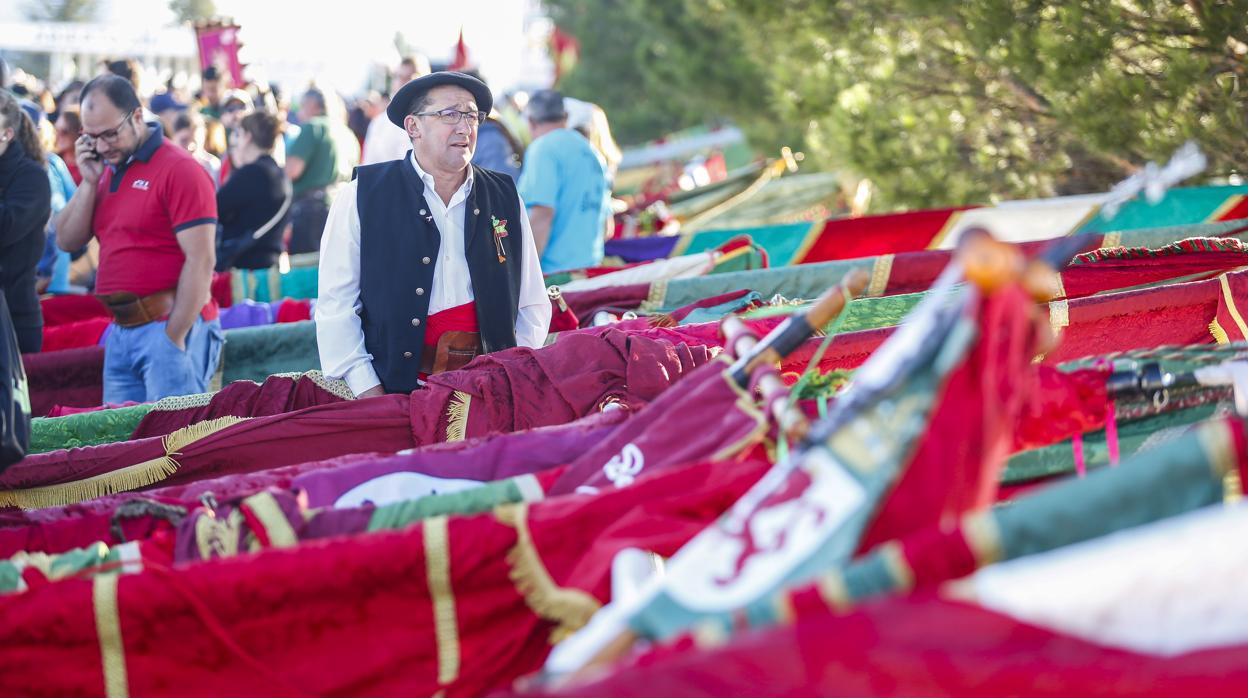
(450, 117)
(111, 135)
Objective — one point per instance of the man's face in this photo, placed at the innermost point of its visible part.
(211, 91)
(232, 113)
(448, 147)
(403, 75)
(65, 135)
(116, 134)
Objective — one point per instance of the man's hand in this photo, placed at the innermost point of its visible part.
(371, 392)
(90, 166)
(179, 342)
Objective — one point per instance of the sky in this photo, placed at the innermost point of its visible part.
(337, 41)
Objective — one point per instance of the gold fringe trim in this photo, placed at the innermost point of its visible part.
(180, 439)
(1111, 240)
(438, 571)
(108, 630)
(1219, 334)
(129, 478)
(570, 608)
(457, 416)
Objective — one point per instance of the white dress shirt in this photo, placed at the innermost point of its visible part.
(339, 336)
(383, 141)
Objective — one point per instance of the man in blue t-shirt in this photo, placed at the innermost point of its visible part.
(564, 187)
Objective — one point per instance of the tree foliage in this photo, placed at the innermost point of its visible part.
(946, 103)
(193, 10)
(61, 10)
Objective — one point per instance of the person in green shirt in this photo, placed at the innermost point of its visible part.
(323, 155)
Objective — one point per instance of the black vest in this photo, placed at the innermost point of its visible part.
(398, 250)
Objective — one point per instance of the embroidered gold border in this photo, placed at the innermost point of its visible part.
(808, 241)
(1111, 240)
(945, 229)
(881, 270)
(108, 629)
(1230, 305)
(436, 537)
(1059, 315)
(1061, 285)
(276, 526)
(571, 608)
(745, 402)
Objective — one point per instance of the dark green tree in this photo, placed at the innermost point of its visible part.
(949, 103)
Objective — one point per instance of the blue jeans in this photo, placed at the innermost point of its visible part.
(141, 364)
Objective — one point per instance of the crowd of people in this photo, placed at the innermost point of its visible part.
(138, 196)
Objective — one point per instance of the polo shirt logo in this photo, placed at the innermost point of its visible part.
(141, 184)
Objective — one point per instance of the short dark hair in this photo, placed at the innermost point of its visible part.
(546, 106)
(263, 127)
(127, 68)
(420, 102)
(117, 89)
(317, 96)
(210, 73)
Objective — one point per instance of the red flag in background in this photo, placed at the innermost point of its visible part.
(564, 51)
(461, 53)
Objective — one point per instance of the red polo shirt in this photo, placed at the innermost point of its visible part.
(140, 208)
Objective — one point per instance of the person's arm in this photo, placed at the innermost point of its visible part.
(73, 223)
(539, 188)
(25, 206)
(195, 281)
(295, 167)
(237, 193)
(533, 320)
(339, 332)
(540, 219)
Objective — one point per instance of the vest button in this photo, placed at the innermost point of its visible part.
(415, 322)
(407, 354)
(420, 291)
(424, 260)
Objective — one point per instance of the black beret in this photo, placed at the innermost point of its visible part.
(402, 100)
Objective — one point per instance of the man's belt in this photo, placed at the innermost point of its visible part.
(132, 310)
(453, 351)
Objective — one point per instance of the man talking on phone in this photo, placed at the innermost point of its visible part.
(154, 212)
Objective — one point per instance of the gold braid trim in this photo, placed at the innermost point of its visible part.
(438, 572)
(108, 629)
(457, 416)
(276, 527)
(570, 608)
(655, 298)
(881, 270)
(129, 478)
(181, 402)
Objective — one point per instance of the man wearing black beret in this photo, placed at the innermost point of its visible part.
(427, 261)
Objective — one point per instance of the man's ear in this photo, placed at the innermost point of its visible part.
(412, 125)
